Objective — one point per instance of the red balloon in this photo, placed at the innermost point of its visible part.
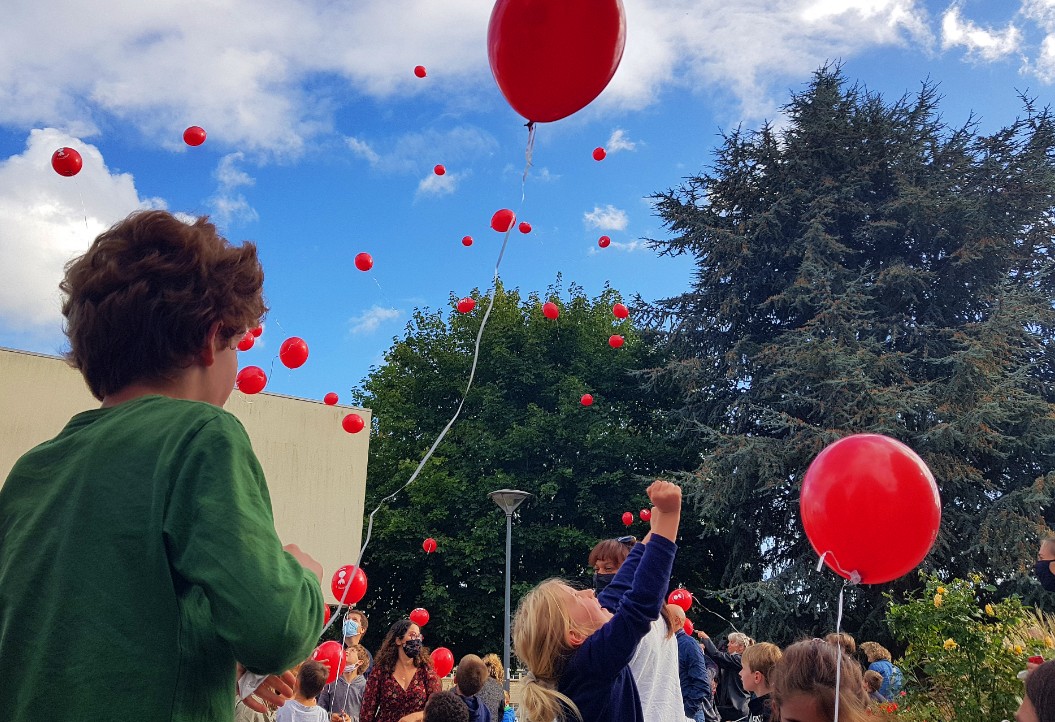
(420, 616)
(503, 220)
(586, 400)
(330, 399)
(599, 153)
(343, 579)
(364, 261)
(67, 162)
(257, 331)
(604, 241)
(293, 352)
(251, 380)
(550, 310)
(550, 58)
(525, 227)
(645, 514)
(247, 341)
(194, 135)
(466, 305)
(326, 612)
(628, 518)
(439, 170)
(429, 545)
(332, 655)
(873, 477)
(620, 311)
(616, 341)
(443, 661)
(688, 627)
(467, 240)
(680, 597)
(419, 70)
(353, 423)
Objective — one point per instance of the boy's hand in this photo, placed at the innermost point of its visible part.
(275, 690)
(305, 560)
(666, 497)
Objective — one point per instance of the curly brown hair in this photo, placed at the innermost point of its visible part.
(141, 301)
(388, 654)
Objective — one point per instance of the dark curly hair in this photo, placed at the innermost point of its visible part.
(389, 652)
(446, 707)
(1040, 688)
(141, 301)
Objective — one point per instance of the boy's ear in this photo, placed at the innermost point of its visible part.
(207, 354)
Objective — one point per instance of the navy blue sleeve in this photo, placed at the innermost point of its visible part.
(723, 659)
(612, 595)
(608, 650)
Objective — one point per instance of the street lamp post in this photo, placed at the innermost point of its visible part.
(508, 500)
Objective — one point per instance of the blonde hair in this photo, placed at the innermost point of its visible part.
(540, 640)
(762, 657)
(875, 651)
(808, 668)
(844, 640)
(494, 667)
(740, 638)
(873, 680)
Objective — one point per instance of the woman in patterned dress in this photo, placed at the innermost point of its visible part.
(402, 679)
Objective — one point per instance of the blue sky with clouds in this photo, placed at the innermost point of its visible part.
(321, 141)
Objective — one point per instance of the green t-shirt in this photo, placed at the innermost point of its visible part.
(138, 562)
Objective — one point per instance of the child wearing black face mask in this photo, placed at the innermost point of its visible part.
(1045, 566)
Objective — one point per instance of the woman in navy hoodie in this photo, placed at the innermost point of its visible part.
(577, 652)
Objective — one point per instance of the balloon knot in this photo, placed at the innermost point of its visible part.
(855, 577)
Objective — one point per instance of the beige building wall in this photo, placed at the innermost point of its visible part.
(316, 471)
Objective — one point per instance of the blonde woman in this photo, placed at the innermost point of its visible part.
(879, 661)
(493, 692)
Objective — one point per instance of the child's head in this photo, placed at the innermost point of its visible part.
(494, 667)
(756, 670)
(738, 642)
(354, 659)
(1038, 704)
(873, 680)
(471, 675)
(844, 640)
(150, 293)
(608, 555)
(311, 678)
(551, 622)
(804, 684)
(445, 707)
(874, 651)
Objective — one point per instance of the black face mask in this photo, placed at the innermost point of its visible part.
(412, 647)
(1044, 575)
(600, 581)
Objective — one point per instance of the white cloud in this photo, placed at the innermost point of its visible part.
(228, 205)
(982, 43)
(362, 149)
(438, 185)
(371, 319)
(414, 152)
(618, 142)
(608, 218)
(1042, 12)
(46, 219)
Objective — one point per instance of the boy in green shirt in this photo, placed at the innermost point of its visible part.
(150, 515)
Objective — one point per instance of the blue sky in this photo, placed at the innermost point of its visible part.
(321, 141)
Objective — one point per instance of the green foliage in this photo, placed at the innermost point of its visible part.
(522, 427)
(963, 654)
(866, 268)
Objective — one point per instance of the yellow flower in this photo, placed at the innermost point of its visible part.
(1049, 641)
(941, 590)
(950, 644)
(937, 599)
(1019, 649)
(989, 610)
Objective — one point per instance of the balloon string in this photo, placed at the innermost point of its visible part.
(529, 151)
(457, 411)
(852, 578)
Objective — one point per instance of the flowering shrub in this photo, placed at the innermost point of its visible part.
(963, 656)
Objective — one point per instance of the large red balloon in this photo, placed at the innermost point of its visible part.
(680, 597)
(343, 578)
(503, 219)
(293, 352)
(194, 135)
(332, 655)
(645, 514)
(870, 505)
(429, 545)
(550, 58)
(628, 518)
(251, 380)
(353, 423)
(67, 162)
(443, 661)
(620, 311)
(247, 341)
(420, 616)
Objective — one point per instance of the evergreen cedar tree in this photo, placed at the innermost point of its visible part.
(864, 268)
